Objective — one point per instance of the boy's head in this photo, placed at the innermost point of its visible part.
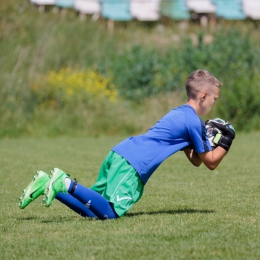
(202, 90)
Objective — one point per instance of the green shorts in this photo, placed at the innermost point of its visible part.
(119, 183)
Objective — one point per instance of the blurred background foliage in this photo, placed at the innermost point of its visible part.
(72, 85)
(63, 76)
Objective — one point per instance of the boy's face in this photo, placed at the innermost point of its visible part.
(208, 100)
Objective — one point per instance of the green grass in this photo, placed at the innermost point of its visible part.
(185, 213)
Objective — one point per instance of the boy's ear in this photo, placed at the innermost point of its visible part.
(203, 96)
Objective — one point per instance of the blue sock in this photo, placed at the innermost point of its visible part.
(93, 200)
(75, 205)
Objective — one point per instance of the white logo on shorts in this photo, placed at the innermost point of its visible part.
(123, 198)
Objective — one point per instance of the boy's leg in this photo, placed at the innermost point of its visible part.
(93, 200)
(37, 187)
(75, 205)
(96, 203)
(119, 183)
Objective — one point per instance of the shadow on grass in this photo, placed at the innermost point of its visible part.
(27, 218)
(58, 219)
(178, 211)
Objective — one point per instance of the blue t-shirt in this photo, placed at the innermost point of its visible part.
(178, 129)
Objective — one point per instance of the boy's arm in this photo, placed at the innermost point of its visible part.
(213, 158)
(192, 156)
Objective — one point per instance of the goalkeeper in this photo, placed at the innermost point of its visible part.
(129, 165)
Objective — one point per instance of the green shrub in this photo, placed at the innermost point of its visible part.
(134, 72)
(141, 72)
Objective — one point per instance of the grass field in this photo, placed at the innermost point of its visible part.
(185, 213)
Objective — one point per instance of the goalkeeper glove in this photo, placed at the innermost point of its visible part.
(225, 139)
(212, 134)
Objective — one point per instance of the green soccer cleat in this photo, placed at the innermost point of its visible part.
(56, 184)
(34, 189)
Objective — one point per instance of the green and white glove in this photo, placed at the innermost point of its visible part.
(225, 134)
(212, 134)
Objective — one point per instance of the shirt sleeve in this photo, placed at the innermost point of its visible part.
(198, 136)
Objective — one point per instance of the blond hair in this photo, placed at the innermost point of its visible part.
(200, 80)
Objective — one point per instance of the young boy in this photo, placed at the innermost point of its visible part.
(130, 164)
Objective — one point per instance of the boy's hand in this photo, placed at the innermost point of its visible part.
(225, 139)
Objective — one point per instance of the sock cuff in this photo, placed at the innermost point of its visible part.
(73, 186)
(68, 182)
